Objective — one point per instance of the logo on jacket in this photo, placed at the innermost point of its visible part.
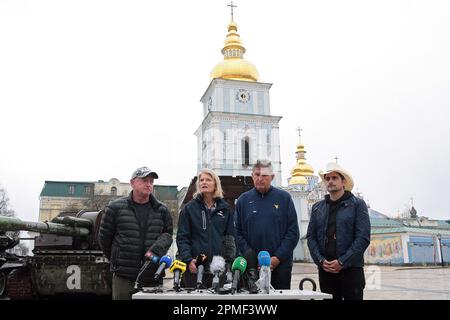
(276, 206)
(220, 214)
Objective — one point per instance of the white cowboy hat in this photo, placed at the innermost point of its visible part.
(334, 167)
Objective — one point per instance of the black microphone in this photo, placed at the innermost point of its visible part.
(200, 262)
(251, 273)
(228, 250)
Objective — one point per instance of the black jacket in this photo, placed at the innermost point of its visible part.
(122, 240)
(200, 232)
(352, 231)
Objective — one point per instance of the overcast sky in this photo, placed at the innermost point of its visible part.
(93, 89)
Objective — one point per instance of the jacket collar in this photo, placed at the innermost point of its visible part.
(346, 196)
(219, 202)
(261, 194)
(155, 203)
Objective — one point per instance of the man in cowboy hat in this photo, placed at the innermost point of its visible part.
(338, 234)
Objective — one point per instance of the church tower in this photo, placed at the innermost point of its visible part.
(305, 191)
(237, 128)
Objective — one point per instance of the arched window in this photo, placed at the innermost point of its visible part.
(246, 151)
(114, 191)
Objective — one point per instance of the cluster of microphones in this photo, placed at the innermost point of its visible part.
(250, 272)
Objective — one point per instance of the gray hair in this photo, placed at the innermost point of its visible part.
(262, 164)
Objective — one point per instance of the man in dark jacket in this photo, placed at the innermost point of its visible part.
(266, 220)
(338, 234)
(133, 229)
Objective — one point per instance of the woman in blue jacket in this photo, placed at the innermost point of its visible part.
(204, 223)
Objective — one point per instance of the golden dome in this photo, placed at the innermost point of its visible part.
(301, 169)
(234, 66)
(298, 180)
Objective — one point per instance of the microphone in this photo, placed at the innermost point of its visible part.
(150, 256)
(264, 258)
(216, 267)
(228, 250)
(264, 275)
(238, 268)
(177, 268)
(164, 263)
(251, 274)
(200, 264)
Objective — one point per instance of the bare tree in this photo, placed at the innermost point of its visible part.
(98, 201)
(5, 210)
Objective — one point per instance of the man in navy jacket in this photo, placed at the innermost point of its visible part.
(266, 220)
(338, 234)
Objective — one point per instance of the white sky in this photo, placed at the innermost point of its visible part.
(93, 89)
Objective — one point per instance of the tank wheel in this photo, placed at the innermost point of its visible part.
(18, 285)
(3, 278)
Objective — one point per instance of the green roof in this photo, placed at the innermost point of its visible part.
(382, 222)
(66, 189)
(411, 230)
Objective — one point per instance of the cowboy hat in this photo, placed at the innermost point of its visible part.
(334, 167)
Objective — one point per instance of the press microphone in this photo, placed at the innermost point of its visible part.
(238, 268)
(216, 267)
(177, 268)
(164, 263)
(251, 274)
(150, 256)
(200, 264)
(228, 250)
(264, 273)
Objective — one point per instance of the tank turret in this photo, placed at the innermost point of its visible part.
(66, 260)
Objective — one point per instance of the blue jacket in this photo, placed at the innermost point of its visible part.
(352, 231)
(200, 232)
(267, 222)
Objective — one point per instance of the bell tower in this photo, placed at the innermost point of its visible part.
(237, 128)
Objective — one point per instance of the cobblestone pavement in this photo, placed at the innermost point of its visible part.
(391, 283)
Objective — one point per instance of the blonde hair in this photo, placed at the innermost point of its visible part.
(218, 192)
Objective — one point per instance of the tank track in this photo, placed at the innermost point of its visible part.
(19, 285)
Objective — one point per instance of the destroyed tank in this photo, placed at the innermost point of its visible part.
(66, 260)
(7, 259)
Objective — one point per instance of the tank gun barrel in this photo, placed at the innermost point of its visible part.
(16, 224)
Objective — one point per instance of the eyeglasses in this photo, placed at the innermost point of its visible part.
(257, 175)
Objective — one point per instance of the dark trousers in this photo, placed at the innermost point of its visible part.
(123, 288)
(348, 284)
(281, 278)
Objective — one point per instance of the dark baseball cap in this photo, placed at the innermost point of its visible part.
(143, 172)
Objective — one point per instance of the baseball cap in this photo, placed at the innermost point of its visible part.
(143, 172)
